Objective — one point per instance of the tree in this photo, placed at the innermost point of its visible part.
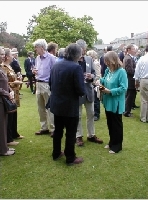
(99, 41)
(3, 27)
(54, 24)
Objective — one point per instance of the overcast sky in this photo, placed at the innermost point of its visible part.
(111, 19)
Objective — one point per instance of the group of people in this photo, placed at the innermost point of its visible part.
(72, 78)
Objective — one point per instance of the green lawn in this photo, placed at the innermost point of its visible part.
(32, 174)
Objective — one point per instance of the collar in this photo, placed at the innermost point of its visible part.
(44, 55)
(130, 55)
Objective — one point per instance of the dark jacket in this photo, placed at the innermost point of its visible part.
(121, 56)
(66, 85)
(15, 66)
(103, 66)
(28, 65)
(130, 65)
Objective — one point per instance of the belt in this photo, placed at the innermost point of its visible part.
(41, 81)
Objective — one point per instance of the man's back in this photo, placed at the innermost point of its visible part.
(67, 84)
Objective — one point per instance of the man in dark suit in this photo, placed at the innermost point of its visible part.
(29, 64)
(66, 85)
(15, 64)
(130, 65)
(103, 65)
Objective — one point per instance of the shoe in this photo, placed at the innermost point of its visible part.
(106, 146)
(95, 139)
(143, 121)
(8, 153)
(11, 149)
(96, 118)
(136, 106)
(79, 141)
(61, 155)
(20, 137)
(51, 134)
(111, 152)
(42, 132)
(128, 114)
(13, 143)
(77, 160)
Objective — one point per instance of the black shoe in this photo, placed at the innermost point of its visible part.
(128, 114)
(96, 118)
(136, 106)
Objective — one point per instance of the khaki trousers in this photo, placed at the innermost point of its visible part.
(46, 117)
(89, 122)
(144, 100)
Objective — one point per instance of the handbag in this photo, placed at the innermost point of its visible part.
(9, 106)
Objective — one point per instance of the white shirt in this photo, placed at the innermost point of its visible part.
(141, 71)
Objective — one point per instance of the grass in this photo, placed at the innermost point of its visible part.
(32, 174)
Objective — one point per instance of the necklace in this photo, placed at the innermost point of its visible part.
(109, 76)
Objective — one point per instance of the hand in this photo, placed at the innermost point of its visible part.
(137, 84)
(106, 91)
(88, 76)
(35, 71)
(97, 83)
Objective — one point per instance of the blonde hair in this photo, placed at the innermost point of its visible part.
(111, 59)
(92, 54)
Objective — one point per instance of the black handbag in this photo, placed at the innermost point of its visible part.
(9, 106)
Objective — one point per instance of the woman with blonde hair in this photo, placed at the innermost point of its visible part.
(114, 88)
(96, 82)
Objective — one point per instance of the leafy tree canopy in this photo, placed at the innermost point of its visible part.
(54, 24)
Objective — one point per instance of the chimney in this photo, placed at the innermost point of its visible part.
(132, 35)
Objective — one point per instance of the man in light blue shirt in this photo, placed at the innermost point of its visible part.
(43, 65)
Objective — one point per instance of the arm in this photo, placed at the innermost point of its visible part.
(137, 74)
(79, 81)
(25, 65)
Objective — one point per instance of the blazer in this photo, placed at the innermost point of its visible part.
(117, 83)
(130, 65)
(28, 65)
(15, 66)
(66, 84)
(89, 89)
(103, 66)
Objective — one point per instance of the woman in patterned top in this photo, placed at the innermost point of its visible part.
(14, 85)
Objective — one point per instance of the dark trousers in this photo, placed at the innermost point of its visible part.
(70, 123)
(134, 104)
(96, 105)
(12, 127)
(130, 97)
(115, 127)
(31, 78)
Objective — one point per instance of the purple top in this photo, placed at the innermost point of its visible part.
(44, 64)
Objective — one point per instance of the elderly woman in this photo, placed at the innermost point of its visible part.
(61, 54)
(14, 85)
(4, 91)
(66, 88)
(115, 85)
(97, 68)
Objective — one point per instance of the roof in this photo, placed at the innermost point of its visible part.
(100, 46)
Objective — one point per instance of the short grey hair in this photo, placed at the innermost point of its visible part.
(81, 43)
(61, 52)
(73, 52)
(92, 54)
(40, 42)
